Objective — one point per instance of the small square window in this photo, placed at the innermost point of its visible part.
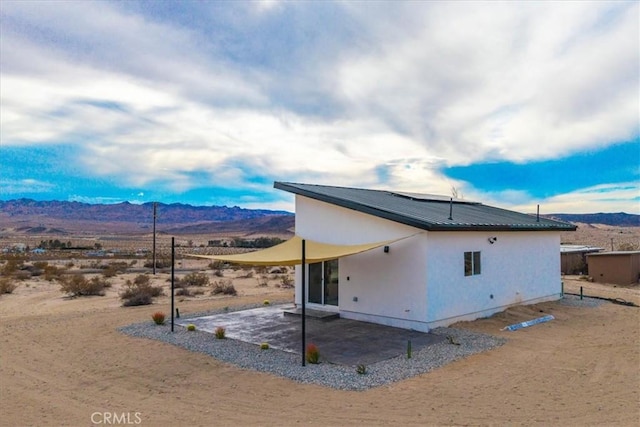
(472, 264)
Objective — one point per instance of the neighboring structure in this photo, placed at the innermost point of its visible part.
(573, 258)
(456, 260)
(619, 268)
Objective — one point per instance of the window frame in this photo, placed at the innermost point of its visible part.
(472, 263)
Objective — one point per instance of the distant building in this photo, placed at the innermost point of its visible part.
(619, 267)
(573, 258)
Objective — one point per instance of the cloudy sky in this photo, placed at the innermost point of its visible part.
(510, 103)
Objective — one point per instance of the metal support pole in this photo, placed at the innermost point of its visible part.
(304, 297)
(173, 257)
(154, 236)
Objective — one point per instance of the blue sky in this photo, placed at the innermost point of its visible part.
(511, 103)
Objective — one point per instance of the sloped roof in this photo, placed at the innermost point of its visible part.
(424, 211)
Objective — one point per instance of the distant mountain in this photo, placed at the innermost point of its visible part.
(620, 219)
(175, 213)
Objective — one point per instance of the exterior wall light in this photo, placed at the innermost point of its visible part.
(386, 249)
(492, 240)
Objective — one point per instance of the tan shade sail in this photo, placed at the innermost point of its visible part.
(290, 252)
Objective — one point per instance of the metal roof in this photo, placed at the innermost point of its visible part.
(433, 213)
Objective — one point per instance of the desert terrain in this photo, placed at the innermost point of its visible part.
(63, 360)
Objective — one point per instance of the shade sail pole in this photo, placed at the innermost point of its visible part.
(304, 297)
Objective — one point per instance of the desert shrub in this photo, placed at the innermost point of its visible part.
(262, 269)
(158, 317)
(41, 265)
(264, 346)
(198, 292)
(183, 292)
(51, 272)
(218, 273)
(138, 299)
(286, 281)
(220, 332)
(361, 369)
(141, 293)
(246, 275)
(142, 279)
(217, 265)
(77, 285)
(161, 262)
(312, 355)
(22, 275)
(191, 327)
(195, 279)
(109, 272)
(11, 266)
(263, 282)
(7, 286)
(224, 287)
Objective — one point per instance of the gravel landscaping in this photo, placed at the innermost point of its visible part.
(460, 343)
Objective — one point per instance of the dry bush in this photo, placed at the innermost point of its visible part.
(77, 285)
(51, 272)
(139, 292)
(246, 274)
(142, 279)
(263, 282)
(11, 266)
(183, 292)
(7, 286)
(286, 281)
(224, 287)
(22, 275)
(195, 279)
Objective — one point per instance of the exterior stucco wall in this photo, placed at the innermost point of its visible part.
(420, 283)
(387, 288)
(519, 268)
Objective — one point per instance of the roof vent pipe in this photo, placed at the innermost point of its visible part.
(538, 214)
(451, 208)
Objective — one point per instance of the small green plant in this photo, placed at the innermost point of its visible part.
(191, 327)
(220, 332)
(264, 346)
(361, 369)
(312, 354)
(158, 317)
(266, 302)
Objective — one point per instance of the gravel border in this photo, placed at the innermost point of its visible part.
(461, 343)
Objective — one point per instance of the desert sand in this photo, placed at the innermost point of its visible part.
(62, 361)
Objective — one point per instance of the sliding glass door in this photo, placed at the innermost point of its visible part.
(323, 283)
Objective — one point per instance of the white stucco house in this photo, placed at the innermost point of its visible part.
(455, 260)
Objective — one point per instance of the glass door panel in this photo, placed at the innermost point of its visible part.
(315, 283)
(331, 282)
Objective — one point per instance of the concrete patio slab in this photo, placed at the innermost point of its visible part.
(341, 341)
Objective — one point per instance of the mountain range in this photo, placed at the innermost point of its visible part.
(31, 216)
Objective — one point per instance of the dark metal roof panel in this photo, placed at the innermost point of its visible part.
(425, 213)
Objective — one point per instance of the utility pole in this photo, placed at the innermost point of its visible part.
(155, 207)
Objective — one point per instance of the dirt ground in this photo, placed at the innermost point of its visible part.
(63, 362)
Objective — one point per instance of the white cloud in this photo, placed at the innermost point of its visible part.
(621, 197)
(414, 87)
